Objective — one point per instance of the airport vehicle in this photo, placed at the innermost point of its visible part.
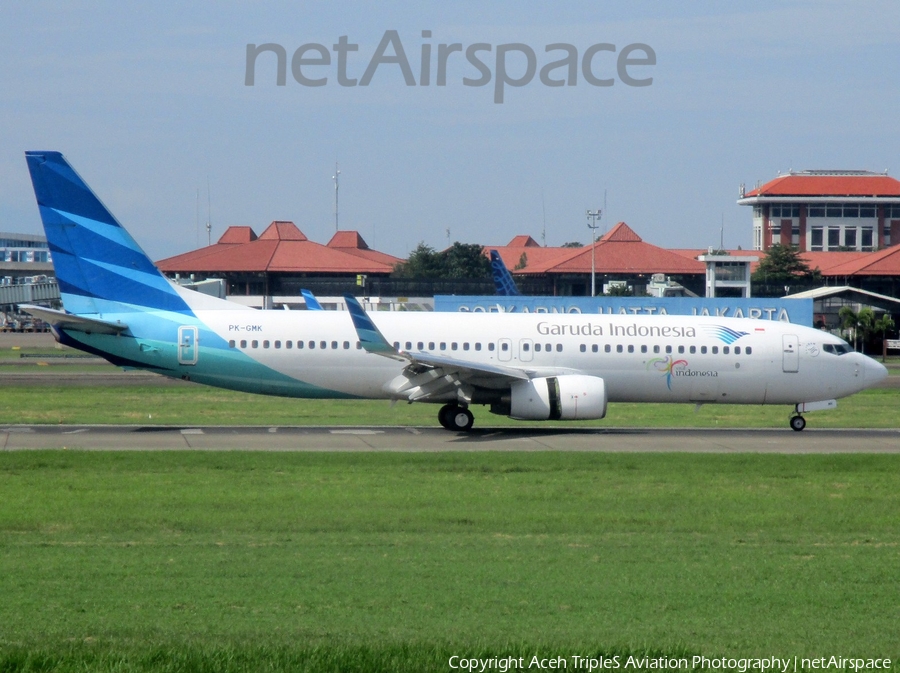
(527, 366)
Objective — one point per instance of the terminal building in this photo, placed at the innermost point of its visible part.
(23, 257)
(826, 211)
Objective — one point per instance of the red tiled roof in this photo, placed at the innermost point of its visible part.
(829, 185)
(347, 239)
(282, 231)
(620, 250)
(236, 235)
(281, 248)
(880, 263)
(523, 241)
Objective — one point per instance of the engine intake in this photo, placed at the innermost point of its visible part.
(569, 397)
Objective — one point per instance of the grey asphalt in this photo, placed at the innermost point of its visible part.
(427, 439)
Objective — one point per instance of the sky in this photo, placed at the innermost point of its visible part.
(149, 103)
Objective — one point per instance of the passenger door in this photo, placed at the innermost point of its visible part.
(790, 356)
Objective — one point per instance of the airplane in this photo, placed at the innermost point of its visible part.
(555, 367)
(504, 283)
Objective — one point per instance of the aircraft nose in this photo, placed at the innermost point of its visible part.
(873, 371)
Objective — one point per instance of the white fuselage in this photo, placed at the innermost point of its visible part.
(641, 358)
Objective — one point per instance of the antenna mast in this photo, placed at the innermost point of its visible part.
(208, 214)
(335, 177)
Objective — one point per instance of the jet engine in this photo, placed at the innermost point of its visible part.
(568, 397)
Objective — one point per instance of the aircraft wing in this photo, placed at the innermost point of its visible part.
(67, 321)
(431, 376)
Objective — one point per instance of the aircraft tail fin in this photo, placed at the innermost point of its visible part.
(99, 266)
(503, 280)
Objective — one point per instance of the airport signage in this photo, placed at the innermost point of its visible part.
(797, 311)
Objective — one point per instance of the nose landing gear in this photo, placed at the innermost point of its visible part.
(456, 418)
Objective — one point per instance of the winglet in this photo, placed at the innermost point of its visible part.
(503, 280)
(370, 337)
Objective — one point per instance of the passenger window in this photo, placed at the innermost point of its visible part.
(443, 345)
(631, 348)
(491, 346)
(725, 350)
(548, 347)
(656, 349)
(681, 349)
(703, 350)
(277, 344)
(359, 345)
(254, 344)
(537, 348)
(266, 343)
(583, 348)
(231, 344)
(559, 348)
(465, 345)
(478, 345)
(288, 344)
(396, 345)
(619, 348)
(693, 349)
(300, 344)
(420, 346)
(595, 348)
(431, 345)
(504, 347)
(668, 349)
(526, 347)
(323, 345)
(409, 345)
(243, 343)
(312, 344)
(737, 350)
(748, 350)
(453, 346)
(715, 350)
(607, 348)
(644, 349)
(346, 345)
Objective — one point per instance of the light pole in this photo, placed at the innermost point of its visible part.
(593, 216)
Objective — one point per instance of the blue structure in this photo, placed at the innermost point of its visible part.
(798, 311)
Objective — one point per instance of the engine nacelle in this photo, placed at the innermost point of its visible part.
(569, 397)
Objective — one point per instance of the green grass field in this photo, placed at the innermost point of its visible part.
(394, 562)
(200, 405)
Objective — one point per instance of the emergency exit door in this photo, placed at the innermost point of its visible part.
(790, 355)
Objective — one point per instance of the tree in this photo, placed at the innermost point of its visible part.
(884, 325)
(572, 244)
(460, 260)
(523, 262)
(423, 262)
(782, 264)
(861, 324)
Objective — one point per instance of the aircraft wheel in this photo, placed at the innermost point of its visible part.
(797, 423)
(444, 415)
(460, 419)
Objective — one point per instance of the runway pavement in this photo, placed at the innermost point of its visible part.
(412, 439)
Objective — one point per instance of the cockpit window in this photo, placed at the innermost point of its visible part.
(837, 349)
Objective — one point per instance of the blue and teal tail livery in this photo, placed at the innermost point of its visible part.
(503, 280)
(99, 267)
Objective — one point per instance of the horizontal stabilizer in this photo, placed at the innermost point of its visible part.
(67, 321)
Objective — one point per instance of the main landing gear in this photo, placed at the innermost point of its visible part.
(456, 418)
(797, 423)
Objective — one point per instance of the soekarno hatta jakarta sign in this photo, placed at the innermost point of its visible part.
(798, 311)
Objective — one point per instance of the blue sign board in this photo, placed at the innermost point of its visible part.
(798, 311)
